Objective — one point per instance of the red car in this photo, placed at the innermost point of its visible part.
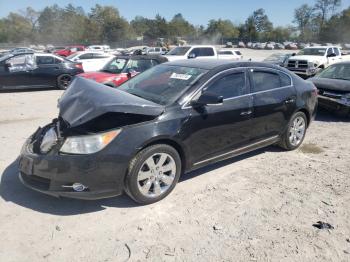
(69, 50)
(121, 68)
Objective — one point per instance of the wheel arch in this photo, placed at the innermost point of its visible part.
(173, 143)
(307, 114)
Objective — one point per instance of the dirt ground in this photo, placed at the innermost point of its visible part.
(257, 207)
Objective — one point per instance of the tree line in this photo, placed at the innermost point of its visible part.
(104, 25)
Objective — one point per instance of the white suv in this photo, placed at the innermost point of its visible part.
(192, 52)
(230, 54)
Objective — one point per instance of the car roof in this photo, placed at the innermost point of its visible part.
(210, 64)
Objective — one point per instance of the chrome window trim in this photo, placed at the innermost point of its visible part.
(186, 105)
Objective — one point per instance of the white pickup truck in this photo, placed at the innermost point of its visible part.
(192, 52)
(311, 60)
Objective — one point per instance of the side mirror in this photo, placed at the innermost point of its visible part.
(207, 98)
(191, 56)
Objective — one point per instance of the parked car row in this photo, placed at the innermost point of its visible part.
(285, 45)
(36, 70)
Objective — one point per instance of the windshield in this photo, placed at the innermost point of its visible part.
(313, 51)
(115, 66)
(163, 84)
(276, 57)
(339, 71)
(180, 50)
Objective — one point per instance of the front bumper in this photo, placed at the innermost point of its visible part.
(303, 72)
(334, 104)
(54, 174)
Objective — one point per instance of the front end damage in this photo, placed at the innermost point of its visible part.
(333, 94)
(91, 120)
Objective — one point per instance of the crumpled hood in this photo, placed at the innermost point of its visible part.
(85, 100)
(331, 84)
(309, 58)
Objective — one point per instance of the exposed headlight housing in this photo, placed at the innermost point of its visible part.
(88, 144)
(312, 65)
(49, 140)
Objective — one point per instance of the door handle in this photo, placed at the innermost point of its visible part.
(246, 113)
(289, 101)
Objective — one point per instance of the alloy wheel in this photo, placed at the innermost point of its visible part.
(297, 131)
(156, 175)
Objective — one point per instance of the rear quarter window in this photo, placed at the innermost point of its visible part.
(266, 80)
(45, 60)
(285, 80)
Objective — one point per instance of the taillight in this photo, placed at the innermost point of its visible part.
(79, 65)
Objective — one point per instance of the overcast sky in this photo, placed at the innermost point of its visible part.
(196, 11)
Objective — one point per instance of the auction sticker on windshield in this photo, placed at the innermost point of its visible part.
(180, 76)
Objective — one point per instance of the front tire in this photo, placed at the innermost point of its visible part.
(63, 81)
(153, 174)
(294, 136)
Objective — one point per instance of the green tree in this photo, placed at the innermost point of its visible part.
(257, 25)
(179, 27)
(304, 19)
(225, 28)
(326, 8)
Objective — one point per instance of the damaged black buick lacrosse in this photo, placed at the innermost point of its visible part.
(169, 120)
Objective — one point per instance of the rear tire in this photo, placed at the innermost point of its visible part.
(294, 135)
(153, 174)
(63, 81)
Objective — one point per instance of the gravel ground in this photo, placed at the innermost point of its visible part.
(257, 207)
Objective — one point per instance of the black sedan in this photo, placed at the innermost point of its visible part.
(333, 84)
(173, 118)
(36, 70)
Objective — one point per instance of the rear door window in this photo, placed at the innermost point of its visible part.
(206, 51)
(229, 86)
(267, 80)
(330, 51)
(264, 81)
(336, 51)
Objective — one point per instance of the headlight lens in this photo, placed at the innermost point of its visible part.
(312, 64)
(88, 144)
(49, 140)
